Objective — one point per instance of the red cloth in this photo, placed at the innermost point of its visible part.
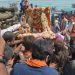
(72, 18)
(72, 34)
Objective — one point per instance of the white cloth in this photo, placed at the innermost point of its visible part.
(66, 23)
(57, 23)
(11, 28)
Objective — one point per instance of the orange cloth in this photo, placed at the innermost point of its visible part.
(36, 63)
(21, 30)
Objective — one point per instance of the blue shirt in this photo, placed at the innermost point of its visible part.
(22, 3)
(24, 69)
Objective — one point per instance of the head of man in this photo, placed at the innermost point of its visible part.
(27, 43)
(8, 36)
(40, 50)
(26, 2)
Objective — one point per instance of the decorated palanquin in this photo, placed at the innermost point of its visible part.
(39, 20)
(34, 14)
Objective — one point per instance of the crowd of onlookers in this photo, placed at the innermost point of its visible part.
(26, 53)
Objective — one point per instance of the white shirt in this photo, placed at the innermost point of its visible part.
(11, 28)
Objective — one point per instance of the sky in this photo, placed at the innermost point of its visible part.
(59, 4)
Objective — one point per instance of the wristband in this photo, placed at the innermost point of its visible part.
(2, 61)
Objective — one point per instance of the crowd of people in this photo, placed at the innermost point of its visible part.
(25, 53)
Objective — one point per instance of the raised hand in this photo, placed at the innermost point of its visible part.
(2, 44)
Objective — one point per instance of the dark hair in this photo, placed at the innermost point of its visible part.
(71, 41)
(37, 53)
(8, 53)
(27, 42)
(8, 36)
(58, 47)
(72, 47)
(61, 53)
(39, 49)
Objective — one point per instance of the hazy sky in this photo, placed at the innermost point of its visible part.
(57, 3)
(60, 4)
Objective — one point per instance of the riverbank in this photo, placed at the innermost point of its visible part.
(8, 17)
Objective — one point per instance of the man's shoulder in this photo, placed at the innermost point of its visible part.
(49, 71)
(19, 65)
(45, 70)
(53, 71)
